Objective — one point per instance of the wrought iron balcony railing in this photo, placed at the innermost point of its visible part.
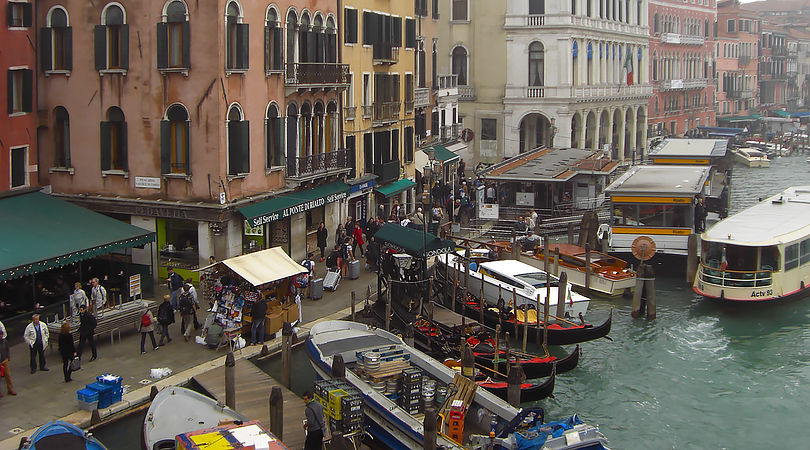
(320, 163)
(317, 74)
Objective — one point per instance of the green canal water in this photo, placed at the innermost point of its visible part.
(697, 377)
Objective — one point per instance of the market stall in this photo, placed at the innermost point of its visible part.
(236, 284)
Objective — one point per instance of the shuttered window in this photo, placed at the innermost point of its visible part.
(113, 141)
(111, 41)
(20, 91)
(174, 141)
(238, 143)
(237, 40)
(174, 38)
(350, 26)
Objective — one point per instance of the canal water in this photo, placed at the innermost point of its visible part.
(697, 377)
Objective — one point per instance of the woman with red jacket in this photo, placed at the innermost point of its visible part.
(358, 239)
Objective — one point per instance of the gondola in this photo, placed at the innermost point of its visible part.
(557, 334)
(530, 390)
(533, 366)
(58, 435)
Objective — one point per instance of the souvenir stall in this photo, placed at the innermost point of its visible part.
(236, 284)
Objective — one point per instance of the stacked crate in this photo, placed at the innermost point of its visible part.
(411, 398)
(342, 404)
(351, 407)
(104, 392)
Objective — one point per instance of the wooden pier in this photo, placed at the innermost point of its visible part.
(253, 388)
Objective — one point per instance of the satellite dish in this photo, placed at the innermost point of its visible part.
(467, 135)
(648, 250)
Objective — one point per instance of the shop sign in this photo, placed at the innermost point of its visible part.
(297, 209)
(147, 182)
(135, 285)
(253, 231)
(362, 186)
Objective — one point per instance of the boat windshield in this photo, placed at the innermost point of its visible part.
(718, 255)
(536, 279)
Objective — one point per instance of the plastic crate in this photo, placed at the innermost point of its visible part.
(88, 406)
(109, 379)
(102, 389)
(117, 396)
(87, 395)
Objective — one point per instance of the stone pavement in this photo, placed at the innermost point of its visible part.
(44, 396)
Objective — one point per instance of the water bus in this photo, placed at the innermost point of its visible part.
(759, 254)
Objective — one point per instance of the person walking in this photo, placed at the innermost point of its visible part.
(257, 314)
(314, 424)
(36, 336)
(165, 318)
(340, 234)
(77, 299)
(87, 328)
(187, 309)
(194, 299)
(175, 283)
(66, 349)
(322, 234)
(309, 264)
(98, 295)
(5, 355)
(147, 326)
(358, 240)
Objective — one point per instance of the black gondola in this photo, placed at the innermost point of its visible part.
(530, 390)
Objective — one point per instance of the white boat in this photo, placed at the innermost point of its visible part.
(502, 279)
(759, 254)
(177, 410)
(394, 428)
(751, 157)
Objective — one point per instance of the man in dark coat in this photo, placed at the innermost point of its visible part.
(257, 314)
(87, 328)
(165, 318)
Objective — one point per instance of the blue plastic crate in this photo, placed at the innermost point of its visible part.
(117, 395)
(104, 402)
(102, 389)
(87, 395)
(109, 379)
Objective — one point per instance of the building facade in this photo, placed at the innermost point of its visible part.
(737, 50)
(682, 43)
(18, 125)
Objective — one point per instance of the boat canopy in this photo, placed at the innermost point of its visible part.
(263, 267)
(413, 242)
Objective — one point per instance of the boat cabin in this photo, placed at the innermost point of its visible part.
(657, 202)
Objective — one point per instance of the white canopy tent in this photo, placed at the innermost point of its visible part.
(262, 267)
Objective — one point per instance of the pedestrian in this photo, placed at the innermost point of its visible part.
(78, 298)
(699, 213)
(340, 234)
(187, 309)
(358, 240)
(211, 260)
(165, 318)
(322, 234)
(462, 167)
(491, 194)
(346, 255)
(333, 260)
(257, 314)
(147, 326)
(314, 424)
(175, 283)
(520, 226)
(298, 302)
(449, 207)
(196, 301)
(309, 264)
(98, 295)
(532, 221)
(36, 336)
(87, 328)
(349, 226)
(418, 218)
(395, 210)
(66, 349)
(5, 355)
(371, 229)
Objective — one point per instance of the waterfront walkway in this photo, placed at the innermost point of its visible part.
(44, 396)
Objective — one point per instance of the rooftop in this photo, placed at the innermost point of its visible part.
(661, 180)
(550, 164)
(676, 148)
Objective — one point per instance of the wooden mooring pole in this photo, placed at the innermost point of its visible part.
(691, 259)
(513, 385)
(587, 266)
(230, 381)
(430, 428)
(286, 353)
(277, 412)
(562, 291)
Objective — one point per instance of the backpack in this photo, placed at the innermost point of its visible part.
(185, 305)
(309, 265)
(347, 251)
(331, 260)
(145, 320)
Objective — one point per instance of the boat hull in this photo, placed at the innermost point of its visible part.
(58, 434)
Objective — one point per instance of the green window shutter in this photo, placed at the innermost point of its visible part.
(10, 90)
(369, 33)
(123, 154)
(234, 142)
(410, 33)
(165, 146)
(396, 38)
(162, 45)
(242, 46)
(104, 140)
(28, 90)
(100, 46)
(269, 142)
(331, 48)
(28, 14)
(267, 44)
(45, 53)
(187, 44)
(278, 48)
(187, 149)
(244, 147)
(125, 46)
(69, 48)
(9, 15)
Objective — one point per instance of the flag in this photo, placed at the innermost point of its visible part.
(628, 65)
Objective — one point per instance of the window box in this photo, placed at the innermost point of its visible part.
(120, 173)
(68, 170)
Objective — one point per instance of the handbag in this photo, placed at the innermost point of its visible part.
(75, 364)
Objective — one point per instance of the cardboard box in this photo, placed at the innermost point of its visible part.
(292, 313)
(273, 322)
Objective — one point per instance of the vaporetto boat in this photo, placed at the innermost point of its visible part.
(759, 254)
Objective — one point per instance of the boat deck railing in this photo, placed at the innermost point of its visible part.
(736, 278)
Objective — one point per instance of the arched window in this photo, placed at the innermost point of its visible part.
(292, 39)
(273, 42)
(112, 39)
(238, 142)
(174, 38)
(331, 40)
(274, 145)
(61, 136)
(236, 39)
(56, 44)
(536, 64)
(114, 141)
(292, 139)
(460, 65)
(655, 23)
(174, 141)
(306, 41)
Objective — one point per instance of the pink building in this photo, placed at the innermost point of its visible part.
(737, 58)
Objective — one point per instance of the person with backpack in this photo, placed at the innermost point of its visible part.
(193, 293)
(347, 255)
(333, 260)
(165, 318)
(309, 264)
(187, 311)
(87, 329)
(147, 326)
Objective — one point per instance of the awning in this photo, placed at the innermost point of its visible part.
(420, 160)
(395, 188)
(751, 118)
(39, 232)
(781, 113)
(262, 267)
(457, 147)
(412, 242)
(444, 155)
(294, 203)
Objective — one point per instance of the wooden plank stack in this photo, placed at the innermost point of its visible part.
(466, 393)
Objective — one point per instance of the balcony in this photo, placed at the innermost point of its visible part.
(317, 75)
(525, 20)
(449, 132)
(421, 97)
(319, 164)
(367, 110)
(385, 112)
(447, 86)
(466, 93)
(746, 94)
(349, 112)
(409, 106)
(385, 53)
(779, 51)
(684, 84)
(743, 60)
(733, 94)
(687, 39)
(387, 172)
(603, 92)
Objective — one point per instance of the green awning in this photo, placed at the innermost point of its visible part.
(395, 188)
(412, 242)
(294, 203)
(740, 118)
(781, 113)
(39, 232)
(444, 155)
